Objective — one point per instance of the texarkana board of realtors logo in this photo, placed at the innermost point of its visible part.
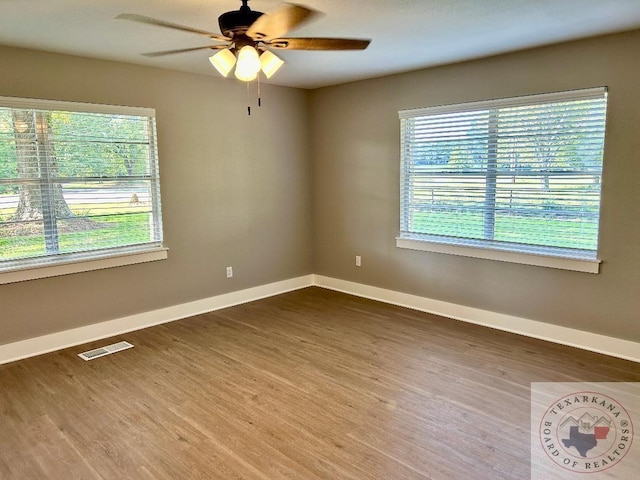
(584, 429)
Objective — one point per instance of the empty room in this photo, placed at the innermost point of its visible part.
(319, 240)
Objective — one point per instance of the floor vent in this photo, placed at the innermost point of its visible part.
(102, 351)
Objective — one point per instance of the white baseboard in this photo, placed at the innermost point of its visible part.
(593, 342)
(77, 336)
(531, 328)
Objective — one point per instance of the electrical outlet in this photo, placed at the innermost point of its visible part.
(229, 272)
(358, 261)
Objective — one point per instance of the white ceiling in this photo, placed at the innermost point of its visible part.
(406, 34)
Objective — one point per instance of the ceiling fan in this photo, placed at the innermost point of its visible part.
(248, 36)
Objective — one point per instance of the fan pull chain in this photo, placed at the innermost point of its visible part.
(259, 99)
(249, 95)
(248, 100)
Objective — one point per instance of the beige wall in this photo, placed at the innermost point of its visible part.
(235, 191)
(355, 149)
(314, 181)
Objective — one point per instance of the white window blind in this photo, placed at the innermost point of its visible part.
(77, 182)
(519, 174)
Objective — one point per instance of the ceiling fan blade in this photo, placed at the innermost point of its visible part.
(279, 22)
(319, 43)
(161, 23)
(183, 50)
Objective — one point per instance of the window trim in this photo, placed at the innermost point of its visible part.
(63, 264)
(567, 259)
(535, 99)
(70, 265)
(479, 249)
(80, 107)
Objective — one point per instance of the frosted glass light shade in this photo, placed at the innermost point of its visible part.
(223, 61)
(270, 63)
(248, 65)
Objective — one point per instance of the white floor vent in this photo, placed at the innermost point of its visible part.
(102, 351)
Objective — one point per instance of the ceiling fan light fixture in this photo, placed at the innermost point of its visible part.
(270, 63)
(248, 65)
(223, 61)
(246, 38)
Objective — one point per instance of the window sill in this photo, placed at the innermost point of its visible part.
(478, 251)
(76, 266)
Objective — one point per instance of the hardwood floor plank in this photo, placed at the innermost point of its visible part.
(312, 384)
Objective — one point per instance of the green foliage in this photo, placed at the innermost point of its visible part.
(8, 159)
(85, 145)
(99, 145)
(559, 232)
(106, 232)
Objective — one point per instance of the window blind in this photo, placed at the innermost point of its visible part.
(77, 182)
(520, 174)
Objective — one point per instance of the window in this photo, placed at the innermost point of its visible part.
(515, 179)
(78, 182)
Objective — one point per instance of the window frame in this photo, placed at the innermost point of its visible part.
(54, 264)
(539, 255)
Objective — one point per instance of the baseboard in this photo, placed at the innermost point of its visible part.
(614, 347)
(77, 336)
(593, 342)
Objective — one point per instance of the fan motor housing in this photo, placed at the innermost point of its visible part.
(237, 22)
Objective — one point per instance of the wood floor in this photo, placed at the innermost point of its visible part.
(311, 384)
